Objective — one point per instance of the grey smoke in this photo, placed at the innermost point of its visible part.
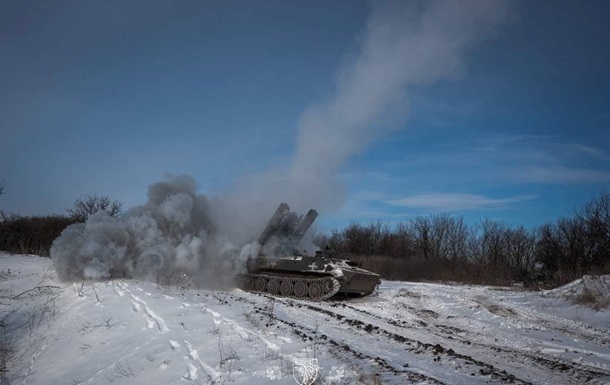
(176, 233)
(173, 232)
(405, 45)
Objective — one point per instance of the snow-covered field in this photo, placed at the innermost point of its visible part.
(133, 332)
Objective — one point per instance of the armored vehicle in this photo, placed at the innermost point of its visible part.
(281, 270)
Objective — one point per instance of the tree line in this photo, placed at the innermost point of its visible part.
(436, 247)
(444, 247)
(35, 234)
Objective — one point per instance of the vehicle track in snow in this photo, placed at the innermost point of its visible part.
(429, 340)
(441, 342)
(579, 372)
(391, 361)
(435, 350)
(339, 347)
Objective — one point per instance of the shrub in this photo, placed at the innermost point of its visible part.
(31, 235)
(586, 297)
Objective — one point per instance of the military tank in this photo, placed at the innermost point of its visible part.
(281, 270)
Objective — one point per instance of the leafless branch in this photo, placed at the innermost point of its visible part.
(84, 207)
(37, 291)
(124, 371)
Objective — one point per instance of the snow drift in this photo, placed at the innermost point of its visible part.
(597, 285)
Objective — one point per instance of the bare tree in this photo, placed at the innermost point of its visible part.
(521, 248)
(595, 217)
(487, 244)
(357, 239)
(2, 186)
(84, 207)
(422, 231)
(403, 241)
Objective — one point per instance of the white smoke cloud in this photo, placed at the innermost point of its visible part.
(405, 44)
(173, 232)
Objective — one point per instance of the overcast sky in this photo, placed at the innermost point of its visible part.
(483, 109)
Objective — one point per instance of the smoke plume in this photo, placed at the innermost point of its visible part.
(174, 232)
(405, 45)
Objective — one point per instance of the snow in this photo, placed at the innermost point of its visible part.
(135, 332)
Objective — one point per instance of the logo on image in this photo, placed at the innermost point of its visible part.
(305, 370)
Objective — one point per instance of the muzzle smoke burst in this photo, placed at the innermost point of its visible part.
(174, 232)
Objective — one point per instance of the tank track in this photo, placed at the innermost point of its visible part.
(291, 287)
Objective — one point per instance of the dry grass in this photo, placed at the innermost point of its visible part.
(593, 300)
(369, 379)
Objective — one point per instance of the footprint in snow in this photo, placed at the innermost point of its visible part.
(150, 323)
(213, 313)
(192, 353)
(192, 372)
(174, 344)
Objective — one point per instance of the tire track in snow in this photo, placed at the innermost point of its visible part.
(580, 370)
(359, 325)
(415, 346)
(339, 348)
(489, 359)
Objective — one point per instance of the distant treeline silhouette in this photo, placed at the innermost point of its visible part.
(35, 234)
(434, 248)
(444, 247)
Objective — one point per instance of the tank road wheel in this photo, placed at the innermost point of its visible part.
(273, 286)
(328, 285)
(260, 284)
(248, 283)
(286, 288)
(300, 289)
(315, 290)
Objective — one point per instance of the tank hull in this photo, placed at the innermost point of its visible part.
(306, 273)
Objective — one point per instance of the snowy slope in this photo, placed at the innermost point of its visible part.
(131, 332)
